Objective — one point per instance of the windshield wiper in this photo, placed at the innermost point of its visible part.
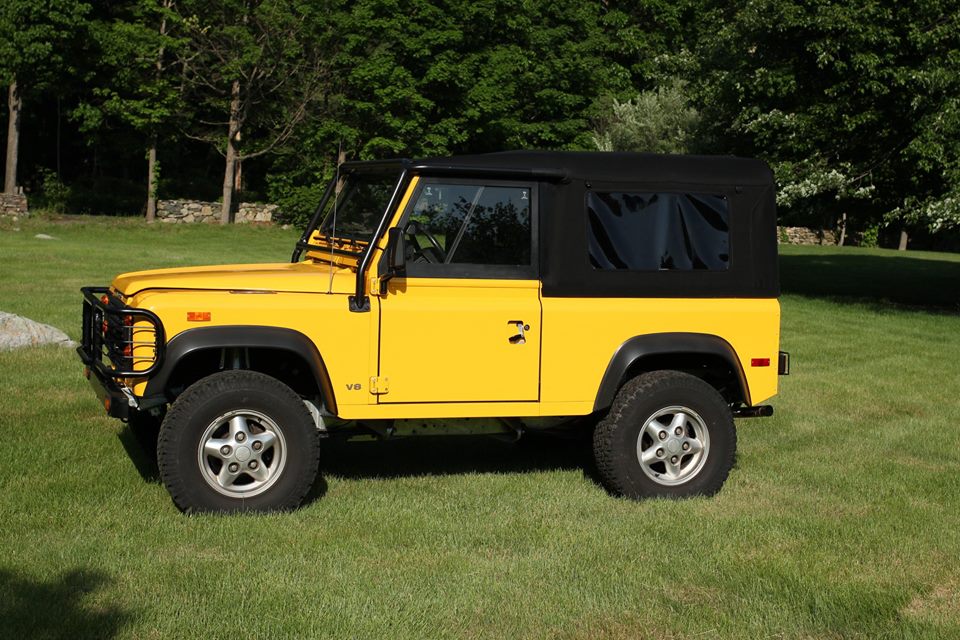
(341, 239)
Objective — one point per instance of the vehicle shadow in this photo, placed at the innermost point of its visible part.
(408, 457)
(927, 284)
(56, 608)
(454, 455)
(142, 451)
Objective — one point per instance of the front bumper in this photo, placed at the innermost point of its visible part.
(117, 403)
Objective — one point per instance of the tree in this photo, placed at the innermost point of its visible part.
(472, 76)
(139, 83)
(656, 121)
(422, 78)
(34, 38)
(853, 104)
(254, 71)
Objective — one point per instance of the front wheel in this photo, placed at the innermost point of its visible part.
(238, 441)
(668, 434)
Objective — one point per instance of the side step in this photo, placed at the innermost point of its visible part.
(759, 411)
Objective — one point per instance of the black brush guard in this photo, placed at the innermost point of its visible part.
(113, 333)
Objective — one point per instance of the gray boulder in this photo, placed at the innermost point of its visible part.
(16, 332)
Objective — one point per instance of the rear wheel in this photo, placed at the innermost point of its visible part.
(668, 434)
(238, 441)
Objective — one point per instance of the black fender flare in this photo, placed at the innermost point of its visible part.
(655, 344)
(243, 336)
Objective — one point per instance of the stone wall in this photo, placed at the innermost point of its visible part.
(805, 235)
(187, 211)
(13, 205)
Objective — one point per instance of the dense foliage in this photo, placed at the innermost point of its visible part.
(855, 106)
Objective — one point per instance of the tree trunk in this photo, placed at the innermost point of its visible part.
(152, 181)
(233, 128)
(903, 240)
(238, 177)
(14, 105)
(152, 170)
(59, 176)
(843, 229)
(238, 174)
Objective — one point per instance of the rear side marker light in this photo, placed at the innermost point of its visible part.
(760, 362)
(198, 316)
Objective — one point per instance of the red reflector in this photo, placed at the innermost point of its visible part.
(760, 362)
(128, 351)
(104, 327)
(198, 316)
(106, 404)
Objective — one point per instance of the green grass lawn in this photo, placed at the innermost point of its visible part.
(841, 518)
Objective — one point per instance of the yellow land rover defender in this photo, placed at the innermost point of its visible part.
(493, 293)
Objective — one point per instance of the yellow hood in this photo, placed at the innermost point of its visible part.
(300, 277)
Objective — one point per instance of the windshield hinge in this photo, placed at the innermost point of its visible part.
(379, 385)
(378, 285)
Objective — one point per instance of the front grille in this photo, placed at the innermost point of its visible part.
(117, 340)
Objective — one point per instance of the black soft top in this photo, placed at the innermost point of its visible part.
(602, 165)
(562, 166)
(565, 180)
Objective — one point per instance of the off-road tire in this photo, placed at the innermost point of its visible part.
(615, 440)
(200, 405)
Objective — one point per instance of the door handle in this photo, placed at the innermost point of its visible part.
(521, 337)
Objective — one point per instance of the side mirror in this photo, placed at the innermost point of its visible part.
(396, 251)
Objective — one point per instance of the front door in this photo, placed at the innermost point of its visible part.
(463, 325)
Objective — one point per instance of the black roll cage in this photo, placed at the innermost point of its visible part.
(360, 302)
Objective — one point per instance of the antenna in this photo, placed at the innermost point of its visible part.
(336, 197)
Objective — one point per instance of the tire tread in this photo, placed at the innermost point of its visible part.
(190, 401)
(610, 459)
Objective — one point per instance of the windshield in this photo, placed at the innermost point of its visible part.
(354, 212)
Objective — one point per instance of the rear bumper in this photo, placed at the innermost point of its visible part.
(783, 364)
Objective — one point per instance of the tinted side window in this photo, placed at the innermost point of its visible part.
(658, 231)
(471, 224)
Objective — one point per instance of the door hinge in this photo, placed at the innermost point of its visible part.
(379, 385)
(374, 286)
